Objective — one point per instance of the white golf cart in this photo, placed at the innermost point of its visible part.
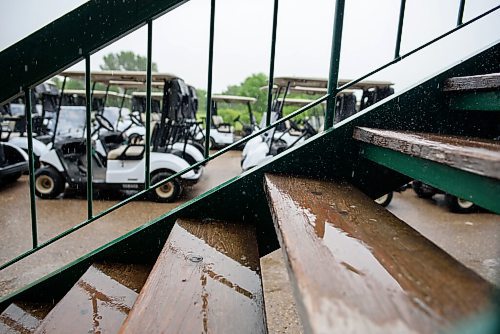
(223, 134)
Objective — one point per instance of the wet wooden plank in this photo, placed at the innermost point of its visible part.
(97, 303)
(478, 156)
(206, 280)
(475, 82)
(18, 318)
(356, 268)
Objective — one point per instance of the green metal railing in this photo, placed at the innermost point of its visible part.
(332, 91)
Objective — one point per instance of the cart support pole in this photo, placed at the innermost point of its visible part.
(208, 121)
(31, 162)
(148, 106)
(334, 63)
(271, 64)
(88, 104)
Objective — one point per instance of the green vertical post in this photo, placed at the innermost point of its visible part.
(208, 122)
(333, 77)
(271, 64)
(88, 104)
(148, 105)
(461, 8)
(400, 28)
(31, 163)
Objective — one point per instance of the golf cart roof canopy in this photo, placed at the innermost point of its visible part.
(323, 83)
(154, 95)
(298, 102)
(107, 76)
(233, 99)
(309, 90)
(134, 84)
(96, 93)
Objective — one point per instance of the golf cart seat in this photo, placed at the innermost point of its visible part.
(127, 152)
(219, 124)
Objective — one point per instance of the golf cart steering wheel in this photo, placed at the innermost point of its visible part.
(236, 119)
(294, 125)
(104, 122)
(308, 128)
(135, 138)
(135, 117)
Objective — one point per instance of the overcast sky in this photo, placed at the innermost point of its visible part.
(243, 29)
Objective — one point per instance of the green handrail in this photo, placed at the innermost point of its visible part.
(333, 90)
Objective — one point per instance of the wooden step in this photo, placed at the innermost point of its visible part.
(206, 280)
(475, 82)
(98, 302)
(478, 156)
(439, 161)
(23, 317)
(356, 268)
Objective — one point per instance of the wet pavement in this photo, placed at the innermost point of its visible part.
(470, 238)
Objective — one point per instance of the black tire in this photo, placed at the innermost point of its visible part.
(49, 183)
(458, 205)
(198, 146)
(385, 199)
(168, 192)
(422, 190)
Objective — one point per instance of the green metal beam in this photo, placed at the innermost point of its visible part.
(481, 190)
(65, 41)
(487, 101)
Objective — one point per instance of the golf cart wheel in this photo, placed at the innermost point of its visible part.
(384, 200)
(422, 190)
(168, 192)
(459, 205)
(48, 183)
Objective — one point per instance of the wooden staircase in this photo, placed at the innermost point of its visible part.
(354, 267)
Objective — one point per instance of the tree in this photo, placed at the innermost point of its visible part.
(126, 61)
(251, 87)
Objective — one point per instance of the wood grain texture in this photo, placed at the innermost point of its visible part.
(206, 280)
(478, 156)
(96, 304)
(475, 82)
(356, 268)
(16, 319)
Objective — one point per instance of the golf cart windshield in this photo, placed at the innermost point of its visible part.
(71, 121)
(113, 114)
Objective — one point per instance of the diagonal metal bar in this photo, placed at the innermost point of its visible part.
(271, 63)
(159, 184)
(31, 162)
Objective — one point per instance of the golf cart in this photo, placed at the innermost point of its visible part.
(13, 161)
(287, 134)
(284, 136)
(221, 133)
(116, 164)
(454, 203)
(45, 97)
(174, 98)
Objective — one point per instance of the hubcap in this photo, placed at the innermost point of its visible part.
(382, 199)
(464, 204)
(44, 184)
(166, 190)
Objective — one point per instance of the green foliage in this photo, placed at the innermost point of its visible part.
(126, 61)
(251, 87)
